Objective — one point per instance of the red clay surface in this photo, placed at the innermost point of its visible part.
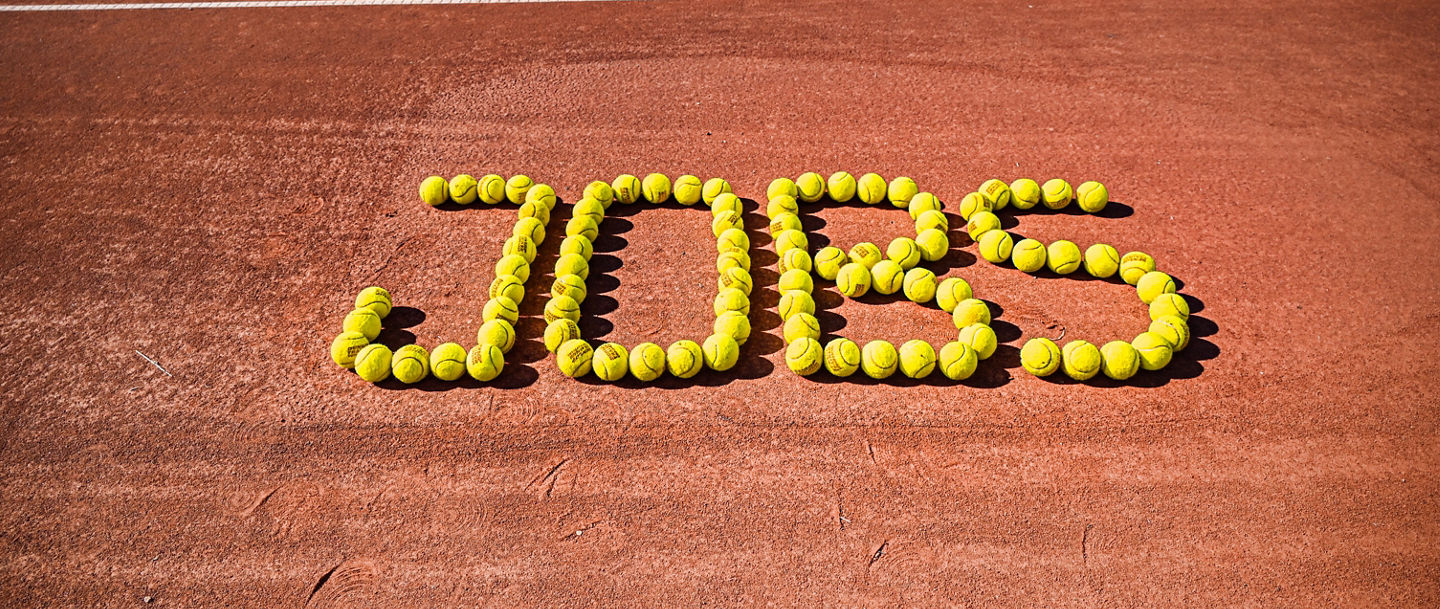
(211, 188)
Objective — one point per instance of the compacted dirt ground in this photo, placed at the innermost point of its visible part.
(211, 187)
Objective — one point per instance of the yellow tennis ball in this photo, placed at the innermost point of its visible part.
(1119, 360)
(513, 264)
(958, 361)
(492, 189)
(866, 253)
(919, 285)
(496, 332)
(980, 338)
(688, 190)
(1028, 255)
(656, 188)
(782, 187)
(346, 346)
(627, 188)
(364, 321)
(1040, 357)
(931, 218)
(1155, 352)
(372, 363)
(1080, 360)
(804, 356)
(974, 203)
(575, 357)
(530, 227)
(647, 362)
(516, 187)
(508, 286)
(1056, 194)
(796, 279)
(1151, 285)
(501, 307)
(1173, 330)
(1101, 260)
(828, 262)
(727, 202)
(520, 245)
(720, 352)
(434, 190)
(871, 188)
(879, 359)
(789, 239)
(610, 362)
(970, 311)
(684, 359)
(801, 325)
(887, 277)
(714, 187)
(900, 191)
(781, 204)
(376, 299)
(484, 362)
(841, 186)
(1134, 265)
(559, 332)
(1062, 257)
(933, 243)
(734, 240)
(724, 221)
(731, 299)
(572, 264)
(997, 192)
(732, 260)
(447, 361)
(904, 251)
(917, 359)
(1024, 193)
(842, 357)
(1169, 304)
(737, 278)
(538, 211)
(810, 186)
(980, 223)
(579, 245)
(733, 324)
(921, 203)
(541, 195)
(569, 285)
(996, 245)
(561, 307)
(1092, 197)
(583, 226)
(601, 192)
(589, 207)
(795, 259)
(410, 364)
(853, 280)
(464, 189)
(951, 292)
(795, 301)
(785, 221)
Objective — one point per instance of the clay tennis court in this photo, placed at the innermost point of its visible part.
(208, 189)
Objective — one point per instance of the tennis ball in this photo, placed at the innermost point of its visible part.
(589, 207)
(508, 286)
(1056, 194)
(1101, 260)
(933, 244)
(980, 223)
(1092, 197)
(410, 364)
(842, 357)
(656, 188)
(561, 307)
(996, 245)
(376, 299)
(1062, 257)
(516, 187)
(541, 195)
(917, 359)
(1169, 304)
(1028, 255)
(492, 189)
(923, 202)
(684, 359)
(781, 186)
(795, 259)
(434, 190)
(1119, 360)
(919, 285)
(737, 278)
(866, 253)
(887, 277)
(600, 192)
(732, 260)
(904, 251)
(871, 188)
(1134, 265)
(997, 192)
(733, 240)
(1154, 350)
(714, 187)
(575, 357)
(841, 186)
(530, 227)
(447, 361)
(1081, 360)
(578, 245)
(463, 189)
(627, 188)
(610, 362)
(647, 362)
(951, 292)
(583, 226)
(795, 301)
(901, 191)
(811, 186)
(520, 246)
(731, 299)
(980, 338)
(804, 356)
(372, 363)
(781, 204)
(688, 190)
(1040, 357)
(974, 203)
(501, 307)
(1151, 285)
(796, 279)
(1173, 330)
(788, 239)
(724, 221)
(931, 218)
(785, 221)
(733, 324)
(496, 332)
(853, 280)
(364, 321)
(828, 262)
(720, 352)
(513, 264)
(879, 359)
(970, 311)
(560, 331)
(345, 346)
(538, 211)
(484, 362)
(727, 202)
(1024, 193)
(571, 286)
(801, 325)
(572, 264)
(958, 361)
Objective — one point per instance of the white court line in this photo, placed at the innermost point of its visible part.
(25, 8)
